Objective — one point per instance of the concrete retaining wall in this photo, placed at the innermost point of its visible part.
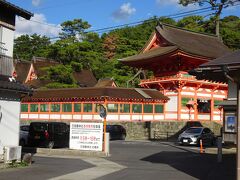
(162, 130)
(166, 130)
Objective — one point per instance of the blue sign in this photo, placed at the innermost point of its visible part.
(230, 123)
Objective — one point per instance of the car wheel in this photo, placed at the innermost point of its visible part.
(22, 142)
(123, 137)
(50, 144)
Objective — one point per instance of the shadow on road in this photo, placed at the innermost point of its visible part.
(200, 166)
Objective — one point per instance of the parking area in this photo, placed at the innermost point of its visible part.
(132, 160)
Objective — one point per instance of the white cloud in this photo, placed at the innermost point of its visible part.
(36, 2)
(38, 24)
(124, 12)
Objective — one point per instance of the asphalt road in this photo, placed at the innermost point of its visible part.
(130, 161)
(45, 168)
(156, 160)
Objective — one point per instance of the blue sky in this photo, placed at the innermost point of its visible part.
(49, 14)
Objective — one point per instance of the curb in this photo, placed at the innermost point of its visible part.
(64, 152)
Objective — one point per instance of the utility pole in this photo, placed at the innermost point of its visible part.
(238, 131)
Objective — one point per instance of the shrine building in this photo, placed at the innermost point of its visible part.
(82, 104)
(172, 52)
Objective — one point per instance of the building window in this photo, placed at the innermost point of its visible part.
(33, 107)
(44, 107)
(87, 107)
(67, 107)
(148, 108)
(137, 108)
(112, 108)
(77, 107)
(24, 107)
(55, 107)
(158, 108)
(204, 106)
(124, 108)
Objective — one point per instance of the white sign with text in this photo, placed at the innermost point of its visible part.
(86, 136)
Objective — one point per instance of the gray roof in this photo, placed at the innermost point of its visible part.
(17, 10)
(9, 84)
(229, 59)
(194, 43)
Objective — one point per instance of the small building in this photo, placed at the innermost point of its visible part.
(226, 69)
(32, 73)
(82, 104)
(11, 92)
(7, 28)
(170, 53)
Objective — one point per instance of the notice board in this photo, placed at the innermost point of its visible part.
(86, 136)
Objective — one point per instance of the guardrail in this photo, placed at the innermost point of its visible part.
(158, 135)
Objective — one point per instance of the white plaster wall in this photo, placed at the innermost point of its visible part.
(171, 105)
(158, 117)
(111, 117)
(9, 125)
(7, 39)
(124, 117)
(147, 117)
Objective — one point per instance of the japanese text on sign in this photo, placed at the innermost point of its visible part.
(86, 136)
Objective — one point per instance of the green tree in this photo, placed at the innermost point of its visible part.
(27, 46)
(216, 5)
(194, 23)
(60, 74)
(74, 29)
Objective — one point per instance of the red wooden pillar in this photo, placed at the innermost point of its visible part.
(212, 106)
(179, 104)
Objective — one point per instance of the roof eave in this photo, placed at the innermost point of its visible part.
(18, 11)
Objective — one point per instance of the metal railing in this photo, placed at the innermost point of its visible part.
(158, 135)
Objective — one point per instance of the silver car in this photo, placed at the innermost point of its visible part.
(193, 135)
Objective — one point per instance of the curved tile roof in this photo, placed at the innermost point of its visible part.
(194, 43)
(98, 93)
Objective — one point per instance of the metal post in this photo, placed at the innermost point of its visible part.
(106, 148)
(219, 145)
(104, 126)
(238, 131)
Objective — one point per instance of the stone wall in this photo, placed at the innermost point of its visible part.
(163, 130)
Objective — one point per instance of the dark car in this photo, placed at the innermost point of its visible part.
(193, 136)
(23, 136)
(48, 134)
(116, 132)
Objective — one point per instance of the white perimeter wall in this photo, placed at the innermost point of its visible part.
(7, 39)
(9, 125)
(171, 105)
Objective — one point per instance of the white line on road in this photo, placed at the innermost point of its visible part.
(103, 167)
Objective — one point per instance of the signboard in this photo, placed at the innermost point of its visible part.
(86, 136)
(230, 123)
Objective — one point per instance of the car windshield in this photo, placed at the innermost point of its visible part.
(194, 130)
(39, 127)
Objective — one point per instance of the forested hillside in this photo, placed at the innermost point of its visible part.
(76, 49)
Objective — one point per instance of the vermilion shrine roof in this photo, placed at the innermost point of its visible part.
(167, 40)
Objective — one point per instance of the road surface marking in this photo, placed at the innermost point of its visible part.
(102, 167)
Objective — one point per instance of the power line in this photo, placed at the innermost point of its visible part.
(173, 16)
